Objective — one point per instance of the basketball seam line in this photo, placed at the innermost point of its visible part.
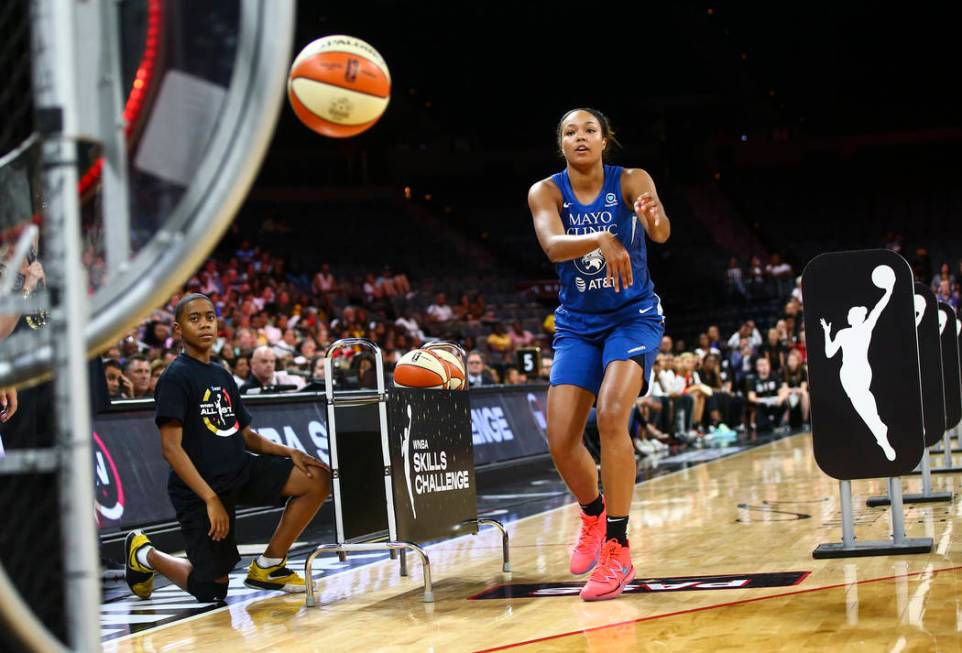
(353, 90)
(382, 63)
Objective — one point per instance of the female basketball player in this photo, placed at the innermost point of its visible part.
(591, 220)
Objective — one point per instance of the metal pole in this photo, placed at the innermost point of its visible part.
(898, 518)
(926, 474)
(115, 191)
(56, 97)
(848, 523)
(505, 552)
(947, 449)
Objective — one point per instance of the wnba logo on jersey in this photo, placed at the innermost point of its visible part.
(217, 411)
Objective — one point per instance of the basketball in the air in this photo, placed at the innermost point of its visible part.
(420, 368)
(339, 86)
(884, 277)
(454, 367)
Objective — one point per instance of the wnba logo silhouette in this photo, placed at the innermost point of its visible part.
(406, 454)
(856, 371)
(919, 310)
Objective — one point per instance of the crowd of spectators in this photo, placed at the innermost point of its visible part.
(275, 326)
(726, 385)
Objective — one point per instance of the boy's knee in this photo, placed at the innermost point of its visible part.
(206, 591)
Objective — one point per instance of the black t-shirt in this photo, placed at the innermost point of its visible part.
(204, 399)
(763, 387)
(796, 379)
(773, 353)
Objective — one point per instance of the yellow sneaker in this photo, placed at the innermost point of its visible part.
(278, 577)
(139, 578)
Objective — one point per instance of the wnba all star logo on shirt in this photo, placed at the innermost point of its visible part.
(217, 411)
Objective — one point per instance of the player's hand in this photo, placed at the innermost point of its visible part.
(219, 521)
(826, 325)
(618, 260)
(8, 403)
(305, 462)
(648, 209)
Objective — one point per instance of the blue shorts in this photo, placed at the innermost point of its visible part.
(584, 344)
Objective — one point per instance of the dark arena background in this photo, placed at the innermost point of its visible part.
(150, 149)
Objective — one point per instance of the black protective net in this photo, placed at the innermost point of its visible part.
(16, 98)
(30, 541)
(30, 548)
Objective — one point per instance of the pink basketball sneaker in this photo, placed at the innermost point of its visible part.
(588, 547)
(613, 572)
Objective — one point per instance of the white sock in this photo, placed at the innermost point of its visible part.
(142, 554)
(264, 563)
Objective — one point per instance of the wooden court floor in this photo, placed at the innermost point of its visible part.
(760, 511)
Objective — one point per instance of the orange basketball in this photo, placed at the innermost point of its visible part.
(420, 368)
(454, 367)
(339, 86)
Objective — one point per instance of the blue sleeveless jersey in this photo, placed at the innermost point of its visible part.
(585, 288)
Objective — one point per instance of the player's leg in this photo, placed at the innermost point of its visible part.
(628, 356)
(306, 496)
(575, 377)
(568, 408)
(621, 387)
(271, 480)
(203, 574)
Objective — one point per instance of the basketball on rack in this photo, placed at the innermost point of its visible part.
(454, 366)
(339, 86)
(420, 368)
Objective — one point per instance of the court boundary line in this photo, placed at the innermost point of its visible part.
(566, 506)
(727, 604)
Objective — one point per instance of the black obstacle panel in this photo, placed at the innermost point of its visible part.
(930, 363)
(958, 332)
(432, 463)
(863, 364)
(361, 470)
(948, 326)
